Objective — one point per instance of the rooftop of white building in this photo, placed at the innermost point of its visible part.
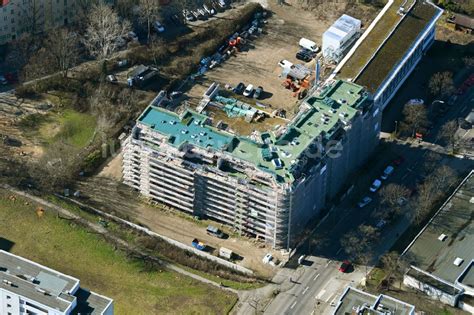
(358, 302)
(46, 286)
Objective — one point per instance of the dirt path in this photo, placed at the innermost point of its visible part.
(106, 193)
(101, 230)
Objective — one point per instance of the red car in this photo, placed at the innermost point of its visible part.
(399, 160)
(346, 264)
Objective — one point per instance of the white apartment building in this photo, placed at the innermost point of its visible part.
(30, 288)
(267, 187)
(20, 16)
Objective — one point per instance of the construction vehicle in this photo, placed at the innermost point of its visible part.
(198, 245)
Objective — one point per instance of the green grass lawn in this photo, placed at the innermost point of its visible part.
(66, 247)
(76, 129)
(69, 126)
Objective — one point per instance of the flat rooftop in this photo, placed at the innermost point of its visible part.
(434, 253)
(47, 286)
(388, 42)
(334, 107)
(467, 277)
(372, 42)
(36, 282)
(358, 302)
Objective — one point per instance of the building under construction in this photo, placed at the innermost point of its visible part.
(268, 186)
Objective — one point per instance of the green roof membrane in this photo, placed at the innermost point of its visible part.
(276, 154)
(188, 129)
(393, 50)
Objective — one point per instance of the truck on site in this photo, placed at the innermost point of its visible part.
(225, 253)
(212, 230)
(309, 45)
(198, 245)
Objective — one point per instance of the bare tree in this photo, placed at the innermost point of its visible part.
(442, 179)
(157, 50)
(431, 162)
(104, 30)
(148, 13)
(394, 196)
(448, 134)
(359, 244)
(62, 48)
(468, 62)
(34, 19)
(21, 51)
(394, 265)
(432, 190)
(415, 117)
(441, 84)
(185, 5)
(126, 8)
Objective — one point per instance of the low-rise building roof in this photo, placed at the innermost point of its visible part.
(444, 248)
(387, 43)
(358, 302)
(462, 20)
(47, 286)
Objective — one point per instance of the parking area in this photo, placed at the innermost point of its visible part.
(257, 61)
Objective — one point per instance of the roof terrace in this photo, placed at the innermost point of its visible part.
(276, 153)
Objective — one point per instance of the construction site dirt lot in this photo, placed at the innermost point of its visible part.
(106, 192)
(257, 62)
(257, 65)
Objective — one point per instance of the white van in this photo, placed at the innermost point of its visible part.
(248, 91)
(309, 44)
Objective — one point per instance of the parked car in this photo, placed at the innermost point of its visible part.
(402, 201)
(258, 92)
(239, 88)
(364, 202)
(248, 91)
(375, 185)
(304, 55)
(387, 172)
(464, 124)
(345, 266)
(222, 3)
(399, 160)
(202, 15)
(3, 80)
(12, 77)
(309, 45)
(267, 258)
(212, 230)
(112, 78)
(132, 36)
(285, 64)
(381, 223)
(159, 28)
(209, 10)
(189, 16)
(176, 20)
(416, 101)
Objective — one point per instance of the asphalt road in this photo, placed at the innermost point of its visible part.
(316, 286)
